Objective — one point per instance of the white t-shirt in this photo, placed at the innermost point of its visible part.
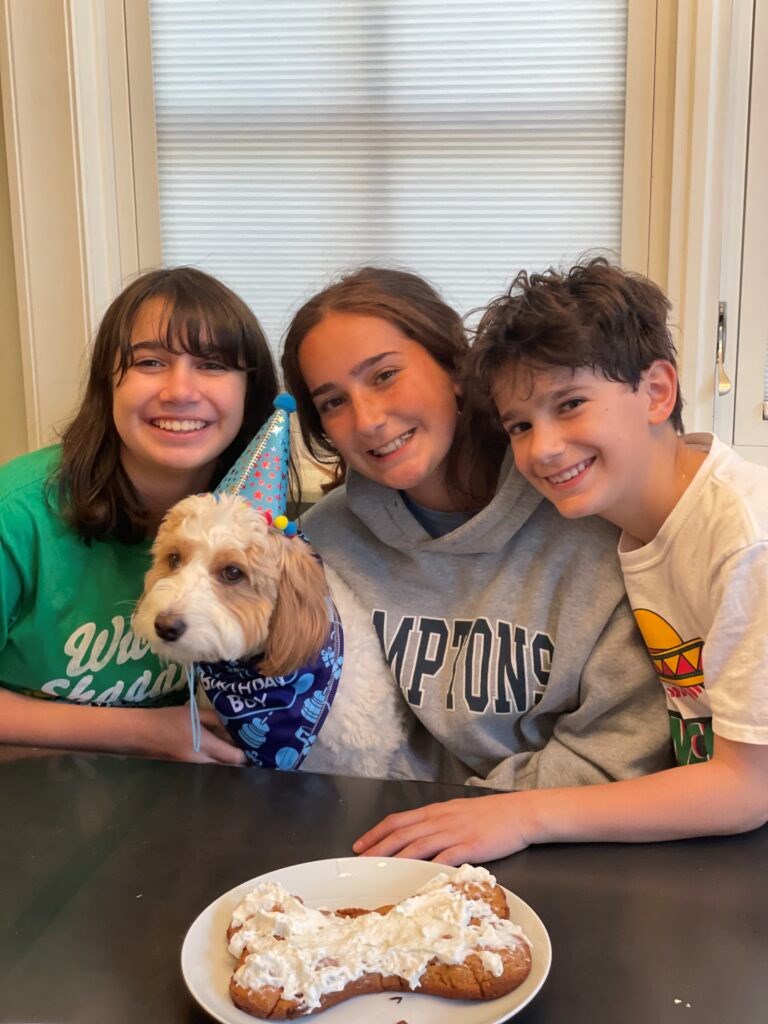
(699, 591)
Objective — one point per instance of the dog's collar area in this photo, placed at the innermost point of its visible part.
(276, 719)
(252, 664)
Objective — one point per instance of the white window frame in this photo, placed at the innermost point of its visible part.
(735, 156)
(745, 421)
(703, 47)
(85, 202)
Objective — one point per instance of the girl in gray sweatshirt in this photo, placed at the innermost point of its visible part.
(505, 626)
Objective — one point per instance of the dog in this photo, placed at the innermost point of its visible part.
(226, 586)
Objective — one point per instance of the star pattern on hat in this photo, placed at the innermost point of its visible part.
(260, 475)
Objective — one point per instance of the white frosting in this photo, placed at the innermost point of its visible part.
(326, 952)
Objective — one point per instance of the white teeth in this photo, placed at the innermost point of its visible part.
(179, 426)
(569, 474)
(393, 445)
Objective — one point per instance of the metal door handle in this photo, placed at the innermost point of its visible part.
(723, 381)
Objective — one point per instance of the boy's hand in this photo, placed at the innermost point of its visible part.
(454, 832)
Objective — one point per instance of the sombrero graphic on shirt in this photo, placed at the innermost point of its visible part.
(677, 662)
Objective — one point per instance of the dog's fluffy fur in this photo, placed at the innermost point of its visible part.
(230, 587)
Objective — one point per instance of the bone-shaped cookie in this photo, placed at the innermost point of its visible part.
(453, 938)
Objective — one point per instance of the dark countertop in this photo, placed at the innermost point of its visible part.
(106, 861)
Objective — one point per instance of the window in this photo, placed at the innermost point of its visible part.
(448, 199)
(461, 140)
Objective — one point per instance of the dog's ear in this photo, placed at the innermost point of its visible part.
(300, 622)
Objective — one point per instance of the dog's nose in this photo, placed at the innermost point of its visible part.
(169, 627)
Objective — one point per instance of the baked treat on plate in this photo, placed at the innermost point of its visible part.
(452, 938)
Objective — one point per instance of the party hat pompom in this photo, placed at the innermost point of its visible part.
(285, 401)
(260, 475)
(286, 526)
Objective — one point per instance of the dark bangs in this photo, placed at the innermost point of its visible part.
(216, 325)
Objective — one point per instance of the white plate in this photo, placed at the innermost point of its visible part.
(353, 882)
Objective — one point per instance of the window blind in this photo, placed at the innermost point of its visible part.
(462, 140)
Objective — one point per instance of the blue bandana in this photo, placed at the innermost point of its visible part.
(276, 719)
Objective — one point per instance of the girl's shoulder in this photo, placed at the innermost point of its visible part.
(28, 472)
(28, 501)
(328, 515)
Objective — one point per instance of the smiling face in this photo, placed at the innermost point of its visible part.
(586, 443)
(175, 413)
(386, 405)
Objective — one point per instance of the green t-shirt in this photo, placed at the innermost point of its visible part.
(65, 607)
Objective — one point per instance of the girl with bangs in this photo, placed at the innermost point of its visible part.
(181, 377)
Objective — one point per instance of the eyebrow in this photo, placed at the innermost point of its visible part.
(562, 392)
(356, 370)
(511, 412)
(508, 414)
(152, 346)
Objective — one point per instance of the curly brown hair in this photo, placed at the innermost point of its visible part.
(595, 315)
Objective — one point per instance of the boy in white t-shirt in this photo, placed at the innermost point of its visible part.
(582, 370)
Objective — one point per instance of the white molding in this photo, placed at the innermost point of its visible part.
(735, 162)
(43, 179)
(663, 137)
(638, 134)
(703, 45)
(92, 116)
(21, 261)
(143, 142)
(750, 429)
(116, 122)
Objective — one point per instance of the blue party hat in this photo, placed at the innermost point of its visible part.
(260, 475)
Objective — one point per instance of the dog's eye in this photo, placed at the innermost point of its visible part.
(174, 560)
(231, 574)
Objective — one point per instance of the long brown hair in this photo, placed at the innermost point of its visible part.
(204, 317)
(411, 304)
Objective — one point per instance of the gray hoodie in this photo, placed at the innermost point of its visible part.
(510, 637)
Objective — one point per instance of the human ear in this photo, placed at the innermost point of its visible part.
(660, 386)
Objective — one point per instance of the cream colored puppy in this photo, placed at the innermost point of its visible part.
(226, 586)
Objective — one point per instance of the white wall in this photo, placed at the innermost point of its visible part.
(13, 427)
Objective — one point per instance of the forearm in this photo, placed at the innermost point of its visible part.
(718, 797)
(29, 721)
(694, 800)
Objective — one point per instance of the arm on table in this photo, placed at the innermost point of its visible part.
(719, 797)
(146, 732)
